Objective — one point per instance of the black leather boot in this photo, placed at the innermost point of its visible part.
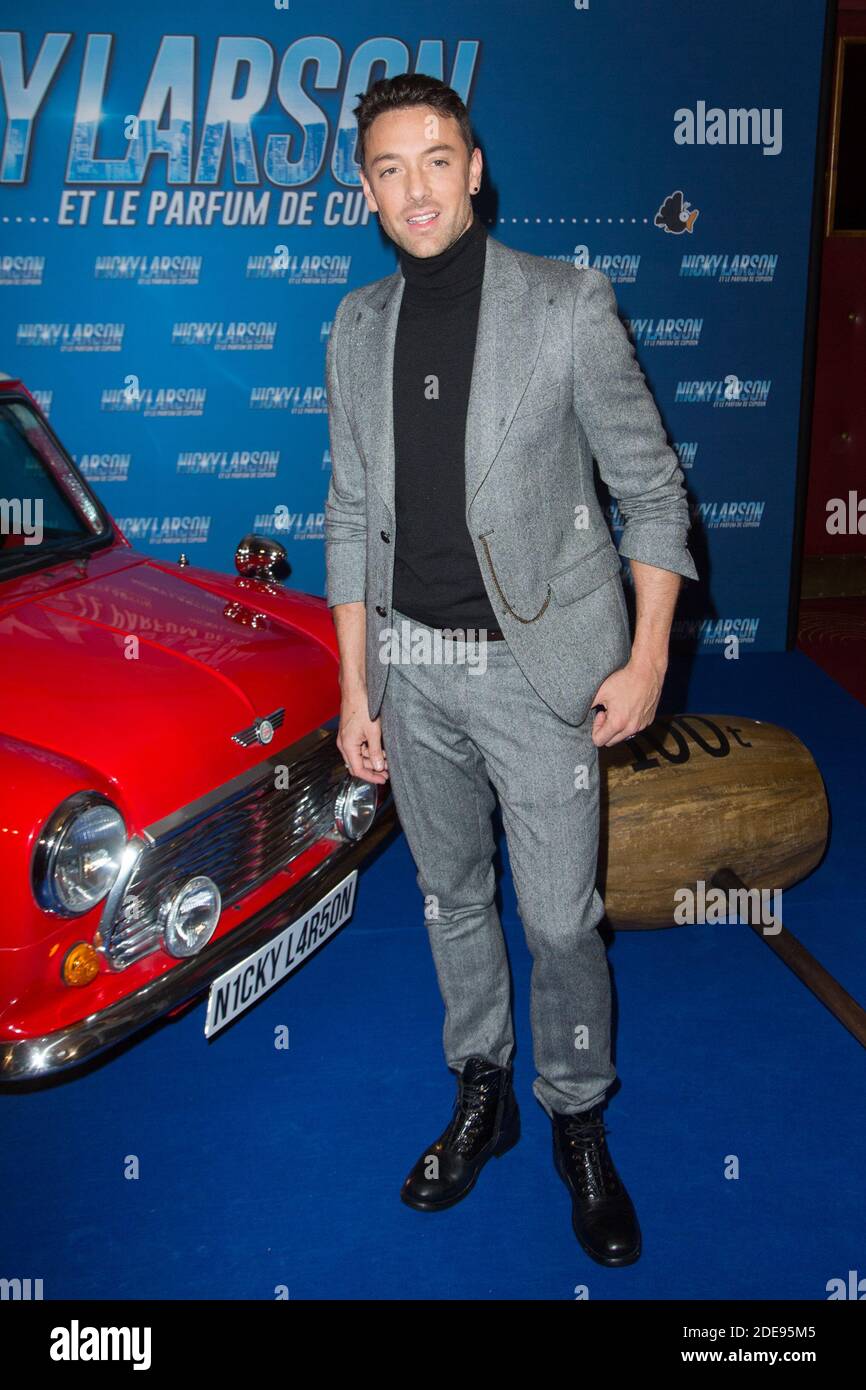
(603, 1216)
(485, 1124)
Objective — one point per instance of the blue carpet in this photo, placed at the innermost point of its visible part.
(262, 1168)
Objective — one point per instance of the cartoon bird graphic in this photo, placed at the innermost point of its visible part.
(675, 215)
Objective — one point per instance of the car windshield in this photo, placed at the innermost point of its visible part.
(46, 511)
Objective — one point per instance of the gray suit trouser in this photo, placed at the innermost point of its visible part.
(450, 731)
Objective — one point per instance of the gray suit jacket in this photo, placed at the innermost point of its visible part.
(555, 381)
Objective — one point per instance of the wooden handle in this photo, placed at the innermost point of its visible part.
(804, 965)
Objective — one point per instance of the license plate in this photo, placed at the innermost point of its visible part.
(241, 986)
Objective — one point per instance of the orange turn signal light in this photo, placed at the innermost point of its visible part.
(80, 965)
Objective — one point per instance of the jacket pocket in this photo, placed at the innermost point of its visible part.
(586, 574)
(540, 403)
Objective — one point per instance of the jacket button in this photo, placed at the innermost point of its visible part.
(384, 535)
(380, 610)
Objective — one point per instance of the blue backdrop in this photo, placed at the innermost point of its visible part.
(181, 215)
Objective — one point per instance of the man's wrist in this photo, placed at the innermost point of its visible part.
(650, 658)
(353, 686)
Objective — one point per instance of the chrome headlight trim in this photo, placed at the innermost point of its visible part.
(346, 818)
(54, 834)
(173, 938)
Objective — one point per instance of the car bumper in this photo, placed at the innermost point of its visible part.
(32, 1058)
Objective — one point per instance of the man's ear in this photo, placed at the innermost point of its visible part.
(368, 193)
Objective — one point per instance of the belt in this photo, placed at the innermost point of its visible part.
(492, 634)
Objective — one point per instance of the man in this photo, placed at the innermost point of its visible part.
(467, 394)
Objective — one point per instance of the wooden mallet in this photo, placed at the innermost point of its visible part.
(734, 804)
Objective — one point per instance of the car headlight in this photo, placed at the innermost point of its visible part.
(190, 917)
(355, 808)
(78, 853)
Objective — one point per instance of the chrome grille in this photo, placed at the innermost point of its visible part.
(239, 836)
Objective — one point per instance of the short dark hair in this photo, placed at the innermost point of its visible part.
(409, 89)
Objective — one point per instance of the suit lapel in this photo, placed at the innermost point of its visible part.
(511, 324)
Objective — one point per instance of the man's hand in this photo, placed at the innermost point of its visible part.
(630, 697)
(360, 740)
(360, 737)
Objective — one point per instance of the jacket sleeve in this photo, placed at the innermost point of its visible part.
(345, 505)
(621, 421)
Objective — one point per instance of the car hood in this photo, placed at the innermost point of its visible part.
(145, 676)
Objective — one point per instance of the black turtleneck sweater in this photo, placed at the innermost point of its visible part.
(436, 575)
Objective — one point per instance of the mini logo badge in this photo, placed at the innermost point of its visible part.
(262, 731)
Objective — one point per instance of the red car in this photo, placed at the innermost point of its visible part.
(175, 815)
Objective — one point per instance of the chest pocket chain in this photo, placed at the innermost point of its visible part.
(483, 539)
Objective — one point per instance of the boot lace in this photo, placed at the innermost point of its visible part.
(471, 1109)
(589, 1156)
